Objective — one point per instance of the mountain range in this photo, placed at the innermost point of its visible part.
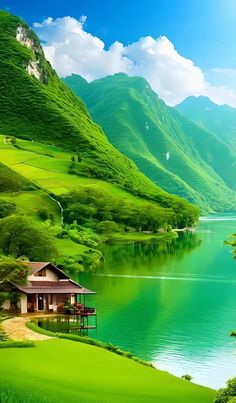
(218, 119)
(179, 155)
(37, 105)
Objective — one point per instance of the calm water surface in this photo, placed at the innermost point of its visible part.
(173, 304)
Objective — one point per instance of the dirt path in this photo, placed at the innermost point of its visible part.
(15, 329)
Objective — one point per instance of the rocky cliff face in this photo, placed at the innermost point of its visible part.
(35, 67)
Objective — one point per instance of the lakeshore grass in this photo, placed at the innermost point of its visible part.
(63, 370)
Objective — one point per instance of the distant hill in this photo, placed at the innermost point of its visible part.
(36, 105)
(218, 119)
(172, 151)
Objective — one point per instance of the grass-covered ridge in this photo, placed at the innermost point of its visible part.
(48, 169)
(77, 372)
(44, 109)
(218, 119)
(94, 210)
(172, 151)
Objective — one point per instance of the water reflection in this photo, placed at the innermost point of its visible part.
(145, 258)
(173, 304)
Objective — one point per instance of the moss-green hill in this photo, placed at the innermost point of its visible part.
(172, 151)
(218, 119)
(37, 105)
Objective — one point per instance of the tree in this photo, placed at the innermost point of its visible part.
(187, 377)
(6, 208)
(13, 270)
(107, 227)
(20, 237)
(228, 394)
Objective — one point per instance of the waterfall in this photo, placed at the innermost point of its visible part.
(60, 206)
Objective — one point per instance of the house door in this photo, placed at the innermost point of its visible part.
(40, 302)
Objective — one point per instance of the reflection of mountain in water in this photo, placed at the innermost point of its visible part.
(146, 257)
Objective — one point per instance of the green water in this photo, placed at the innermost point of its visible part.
(172, 304)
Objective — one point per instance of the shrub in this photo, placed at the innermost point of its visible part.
(17, 344)
(107, 227)
(187, 377)
(44, 214)
(228, 394)
(6, 208)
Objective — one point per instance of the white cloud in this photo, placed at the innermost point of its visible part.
(71, 49)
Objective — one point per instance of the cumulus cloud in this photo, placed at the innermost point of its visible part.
(70, 49)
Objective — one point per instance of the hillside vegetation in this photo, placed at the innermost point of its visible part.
(172, 151)
(37, 105)
(218, 119)
(93, 210)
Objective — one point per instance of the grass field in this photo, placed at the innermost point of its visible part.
(46, 167)
(28, 203)
(67, 371)
(51, 172)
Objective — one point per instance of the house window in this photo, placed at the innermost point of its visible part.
(41, 273)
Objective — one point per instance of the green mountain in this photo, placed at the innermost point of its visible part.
(172, 151)
(37, 105)
(218, 119)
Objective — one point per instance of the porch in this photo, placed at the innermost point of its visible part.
(70, 304)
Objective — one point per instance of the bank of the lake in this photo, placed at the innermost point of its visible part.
(172, 303)
(139, 237)
(63, 370)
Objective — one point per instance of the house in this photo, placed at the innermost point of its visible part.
(47, 289)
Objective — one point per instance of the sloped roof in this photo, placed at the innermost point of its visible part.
(37, 266)
(54, 287)
(63, 286)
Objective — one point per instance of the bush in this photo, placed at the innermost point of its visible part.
(44, 214)
(17, 344)
(107, 227)
(187, 377)
(228, 394)
(6, 208)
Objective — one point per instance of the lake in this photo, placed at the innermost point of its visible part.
(174, 303)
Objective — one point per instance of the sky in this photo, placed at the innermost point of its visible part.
(182, 47)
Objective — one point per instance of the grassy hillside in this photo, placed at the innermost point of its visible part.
(218, 119)
(101, 210)
(60, 370)
(37, 105)
(47, 168)
(171, 150)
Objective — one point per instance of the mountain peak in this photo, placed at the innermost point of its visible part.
(200, 101)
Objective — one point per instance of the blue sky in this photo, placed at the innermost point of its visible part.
(200, 30)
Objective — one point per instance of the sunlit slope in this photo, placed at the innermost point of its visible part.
(45, 168)
(171, 150)
(94, 375)
(218, 119)
(37, 105)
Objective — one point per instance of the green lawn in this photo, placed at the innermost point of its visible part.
(67, 371)
(29, 203)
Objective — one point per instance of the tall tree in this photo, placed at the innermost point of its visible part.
(19, 236)
(12, 270)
